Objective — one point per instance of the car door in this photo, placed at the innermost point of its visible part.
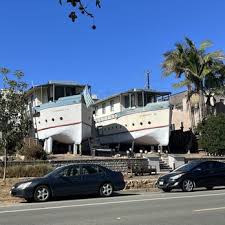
(219, 173)
(67, 181)
(203, 174)
(92, 177)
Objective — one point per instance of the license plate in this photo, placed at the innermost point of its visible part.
(160, 182)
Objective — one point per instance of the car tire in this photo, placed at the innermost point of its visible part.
(42, 193)
(106, 190)
(29, 200)
(188, 185)
(166, 189)
(209, 187)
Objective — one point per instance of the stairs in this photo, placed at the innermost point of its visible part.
(163, 164)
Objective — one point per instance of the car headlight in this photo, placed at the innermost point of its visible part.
(24, 185)
(176, 177)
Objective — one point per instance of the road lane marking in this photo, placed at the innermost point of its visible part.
(209, 209)
(109, 203)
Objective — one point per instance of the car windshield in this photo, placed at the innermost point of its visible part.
(55, 171)
(186, 167)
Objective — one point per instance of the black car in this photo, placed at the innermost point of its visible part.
(197, 173)
(70, 180)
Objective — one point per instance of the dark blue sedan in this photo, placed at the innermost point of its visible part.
(197, 173)
(70, 180)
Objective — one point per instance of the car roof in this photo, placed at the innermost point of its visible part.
(80, 164)
(198, 161)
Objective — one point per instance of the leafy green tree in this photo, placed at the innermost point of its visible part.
(14, 123)
(81, 7)
(200, 71)
(212, 134)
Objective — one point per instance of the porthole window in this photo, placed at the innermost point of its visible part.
(61, 118)
(149, 122)
(125, 125)
(141, 123)
(53, 119)
(46, 121)
(132, 124)
(39, 122)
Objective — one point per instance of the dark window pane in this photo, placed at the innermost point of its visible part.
(90, 170)
(140, 100)
(59, 92)
(70, 171)
(127, 103)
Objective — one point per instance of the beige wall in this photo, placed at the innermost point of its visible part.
(180, 112)
(98, 109)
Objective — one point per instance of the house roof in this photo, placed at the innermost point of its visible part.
(54, 82)
(133, 90)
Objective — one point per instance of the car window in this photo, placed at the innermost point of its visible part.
(204, 166)
(89, 170)
(218, 165)
(70, 171)
(186, 167)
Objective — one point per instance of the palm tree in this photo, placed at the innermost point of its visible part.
(201, 71)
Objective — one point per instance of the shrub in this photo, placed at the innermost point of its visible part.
(26, 170)
(212, 134)
(33, 151)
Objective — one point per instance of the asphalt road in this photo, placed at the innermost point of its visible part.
(141, 208)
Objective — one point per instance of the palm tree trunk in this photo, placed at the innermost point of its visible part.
(191, 116)
(201, 106)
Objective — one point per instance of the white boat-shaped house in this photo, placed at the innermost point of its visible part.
(139, 116)
(61, 115)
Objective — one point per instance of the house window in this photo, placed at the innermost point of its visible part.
(103, 108)
(96, 111)
(112, 105)
(132, 100)
(100, 130)
(140, 99)
(127, 103)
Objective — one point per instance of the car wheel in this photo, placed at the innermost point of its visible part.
(29, 199)
(106, 190)
(166, 189)
(209, 188)
(187, 185)
(41, 193)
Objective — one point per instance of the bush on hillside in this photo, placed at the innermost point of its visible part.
(33, 152)
(212, 134)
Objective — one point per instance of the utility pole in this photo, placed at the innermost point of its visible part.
(148, 77)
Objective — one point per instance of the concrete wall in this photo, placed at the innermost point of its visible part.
(154, 162)
(175, 161)
(114, 164)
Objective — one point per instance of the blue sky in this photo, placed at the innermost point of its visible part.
(131, 36)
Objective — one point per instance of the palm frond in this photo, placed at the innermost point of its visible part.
(183, 83)
(205, 44)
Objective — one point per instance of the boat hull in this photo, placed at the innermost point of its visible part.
(147, 127)
(152, 136)
(69, 124)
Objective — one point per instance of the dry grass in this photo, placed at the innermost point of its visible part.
(26, 171)
(5, 187)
